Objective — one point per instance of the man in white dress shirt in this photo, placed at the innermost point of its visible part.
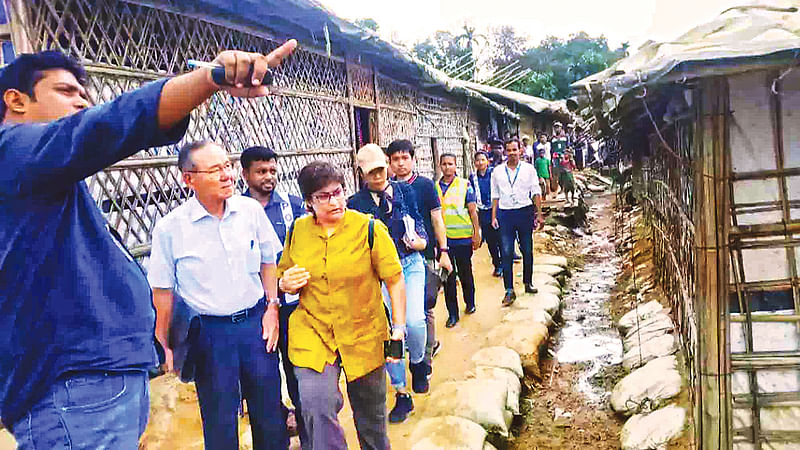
(516, 197)
(216, 252)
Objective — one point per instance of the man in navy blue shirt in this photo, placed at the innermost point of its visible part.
(402, 162)
(260, 172)
(76, 315)
(481, 182)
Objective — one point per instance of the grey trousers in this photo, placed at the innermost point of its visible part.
(322, 400)
(432, 286)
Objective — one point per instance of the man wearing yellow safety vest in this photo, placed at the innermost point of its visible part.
(460, 211)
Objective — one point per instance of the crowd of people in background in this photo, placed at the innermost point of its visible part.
(245, 287)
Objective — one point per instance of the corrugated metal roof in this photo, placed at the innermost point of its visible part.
(758, 34)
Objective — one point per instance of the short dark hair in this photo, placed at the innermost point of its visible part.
(257, 153)
(315, 176)
(484, 154)
(26, 70)
(185, 162)
(512, 140)
(447, 155)
(400, 145)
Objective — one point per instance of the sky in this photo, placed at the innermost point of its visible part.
(633, 21)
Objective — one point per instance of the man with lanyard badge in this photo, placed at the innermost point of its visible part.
(260, 172)
(515, 191)
(481, 181)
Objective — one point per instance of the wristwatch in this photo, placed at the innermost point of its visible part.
(273, 301)
(444, 250)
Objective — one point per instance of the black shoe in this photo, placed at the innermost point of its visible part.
(470, 310)
(436, 347)
(498, 272)
(402, 408)
(509, 298)
(530, 288)
(451, 322)
(419, 377)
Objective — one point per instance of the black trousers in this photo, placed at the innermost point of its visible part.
(461, 257)
(491, 237)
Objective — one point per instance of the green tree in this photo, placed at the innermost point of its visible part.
(368, 24)
(562, 62)
(507, 46)
(455, 53)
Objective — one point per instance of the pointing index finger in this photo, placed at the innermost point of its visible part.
(279, 54)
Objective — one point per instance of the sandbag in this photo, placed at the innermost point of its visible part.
(654, 430)
(647, 387)
(542, 301)
(549, 289)
(540, 279)
(657, 322)
(548, 269)
(447, 432)
(502, 357)
(481, 401)
(525, 339)
(529, 316)
(644, 311)
(552, 260)
(506, 376)
(654, 348)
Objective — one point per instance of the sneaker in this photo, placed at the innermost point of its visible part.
(436, 347)
(402, 408)
(419, 377)
(509, 298)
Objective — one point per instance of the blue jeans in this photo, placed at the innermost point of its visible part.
(233, 356)
(416, 328)
(97, 410)
(516, 224)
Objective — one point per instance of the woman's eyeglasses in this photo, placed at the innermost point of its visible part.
(325, 197)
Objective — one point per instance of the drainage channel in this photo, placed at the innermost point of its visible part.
(588, 337)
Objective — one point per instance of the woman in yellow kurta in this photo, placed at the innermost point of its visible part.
(340, 323)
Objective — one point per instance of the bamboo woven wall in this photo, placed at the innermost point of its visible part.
(665, 187)
(124, 45)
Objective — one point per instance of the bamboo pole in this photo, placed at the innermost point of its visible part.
(711, 283)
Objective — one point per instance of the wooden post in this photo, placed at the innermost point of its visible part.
(352, 112)
(378, 138)
(711, 294)
(20, 26)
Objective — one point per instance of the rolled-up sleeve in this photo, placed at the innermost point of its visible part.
(495, 185)
(161, 267)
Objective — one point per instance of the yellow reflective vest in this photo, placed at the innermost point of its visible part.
(454, 209)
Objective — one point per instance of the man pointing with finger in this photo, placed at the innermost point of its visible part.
(77, 317)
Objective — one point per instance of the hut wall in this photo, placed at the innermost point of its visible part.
(664, 182)
(720, 188)
(764, 164)
(309, 117)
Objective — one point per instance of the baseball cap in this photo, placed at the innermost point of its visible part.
(370, 157)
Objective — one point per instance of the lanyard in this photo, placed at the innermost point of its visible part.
(516, 174)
